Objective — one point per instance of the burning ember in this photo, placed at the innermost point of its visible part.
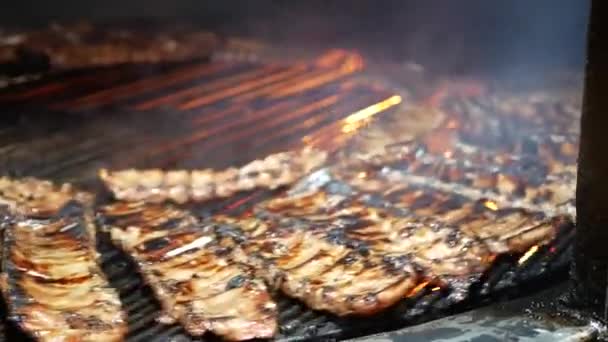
(490, 205)
(357, 120)
(529, 253)
(417, 289)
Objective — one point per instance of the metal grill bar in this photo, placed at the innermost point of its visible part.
(138, 87)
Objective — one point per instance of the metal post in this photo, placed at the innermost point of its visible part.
(591, 247)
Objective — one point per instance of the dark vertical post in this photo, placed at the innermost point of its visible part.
(591, 247)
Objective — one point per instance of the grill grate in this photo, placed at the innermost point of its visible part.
(297, 323)
(201, 114)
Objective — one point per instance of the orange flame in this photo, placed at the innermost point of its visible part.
(346, 60)
(528, 254)
(417, 289)
(491, 205)
(357, 119)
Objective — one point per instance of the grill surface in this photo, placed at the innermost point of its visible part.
(200, 114)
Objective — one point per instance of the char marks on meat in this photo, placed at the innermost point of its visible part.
(542, 176)
(439, 250)
(84, 45)
(191, 271)
(502, 229)
(51, 281)
(323, 270)
(272, 172)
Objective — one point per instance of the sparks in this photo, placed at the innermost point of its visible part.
(491, 205)
(528, 254)
(417, 289)
(357, 119)
(436, 288)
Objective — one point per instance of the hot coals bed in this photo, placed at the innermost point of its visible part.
(216, 114)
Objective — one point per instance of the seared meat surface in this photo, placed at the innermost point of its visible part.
(324, 271)
(447, 236)
(51, 281)
(35, 197)
(192, 272)
(85, 45)
(501, 228)
(274, 171)
(437, 250)
(541, 175)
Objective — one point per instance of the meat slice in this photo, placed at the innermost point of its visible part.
(34, 197)
(51, 280)
(322, 270)
(539, 172)
(180, 186)
(192, 272)
(441, 251)
(83, 45)
(501, 228)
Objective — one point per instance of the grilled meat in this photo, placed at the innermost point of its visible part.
(84, 45)
(191, 272)
(51, 281)
(274, 171)
(496, 118)
(442, 251)
(34, 197)
(541, 176)
(324, 271)
(501, 228)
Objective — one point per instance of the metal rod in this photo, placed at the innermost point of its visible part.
(591, 243)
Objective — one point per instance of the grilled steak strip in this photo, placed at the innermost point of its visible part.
(441, 251)
(324, 271)
(542, 175)
(502, 229)
(274, 171)
(84, 45)
(191, 272)
(51, 280)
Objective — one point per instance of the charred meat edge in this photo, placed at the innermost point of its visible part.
(49, 256)
(274, 171)
(191, 273)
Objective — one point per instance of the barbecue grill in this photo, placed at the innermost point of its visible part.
(245, 100)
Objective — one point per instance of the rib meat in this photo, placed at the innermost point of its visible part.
(51, 281)
(191, 272)
(500, 227)
(541, 174)
(274, 171)
(84, 45)
(440, 250)
(325, 271)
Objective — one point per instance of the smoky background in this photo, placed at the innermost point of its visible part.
(457, 37)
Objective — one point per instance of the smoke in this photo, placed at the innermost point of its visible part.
(452, 36)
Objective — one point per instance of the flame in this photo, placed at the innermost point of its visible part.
(362, 175)
(357, 119)
(417, 289)
(345, 60)
(436, 288)
(452, 124)
(528, 254)
(491, 205)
